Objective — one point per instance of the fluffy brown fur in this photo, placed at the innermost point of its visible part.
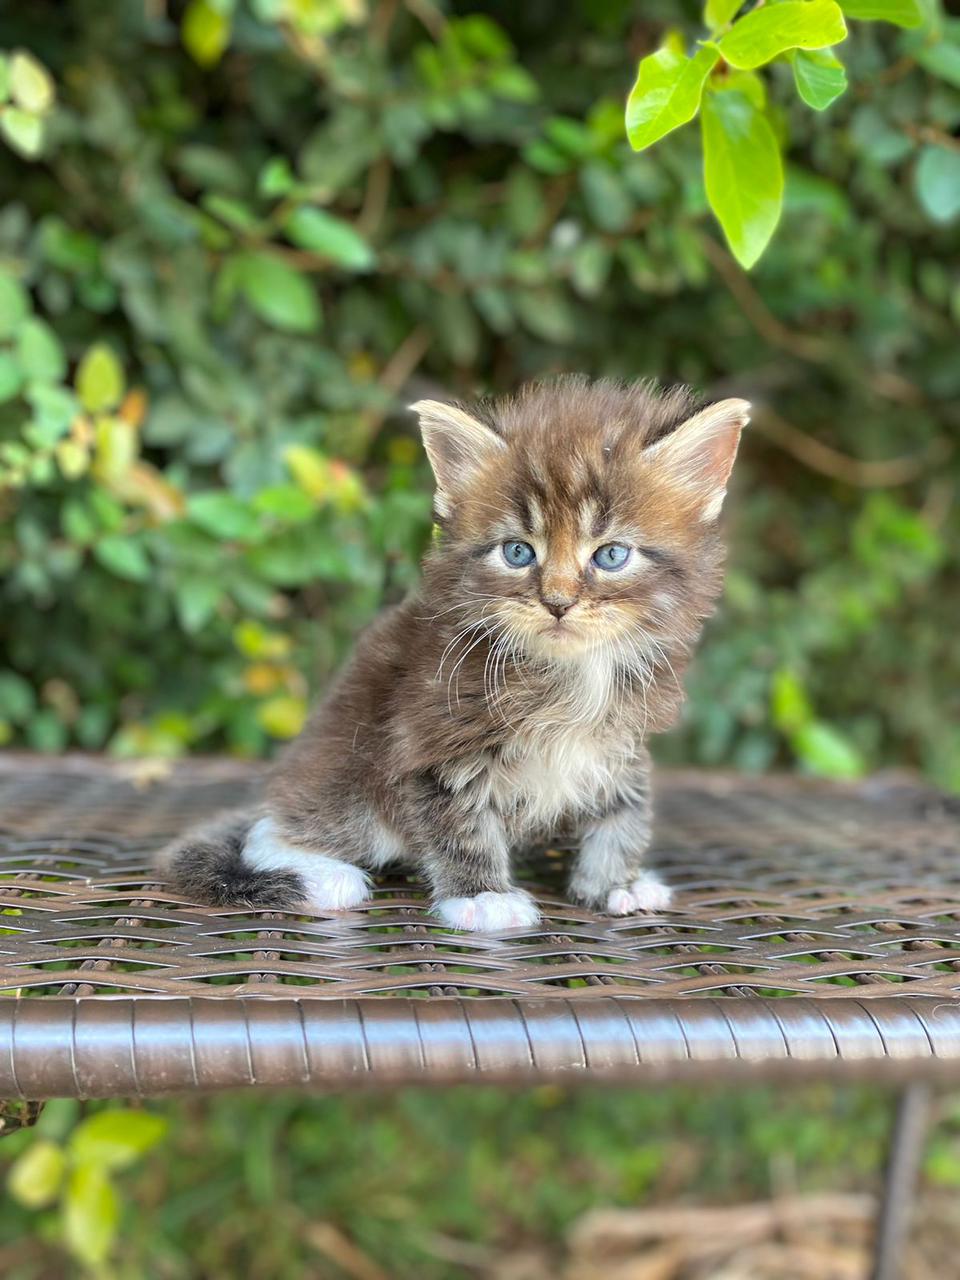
(500, 704)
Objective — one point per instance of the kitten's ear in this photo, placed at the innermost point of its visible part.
(456, 444)
(699, 454)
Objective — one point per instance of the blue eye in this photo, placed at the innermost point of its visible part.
(518, 554)
(611, 556)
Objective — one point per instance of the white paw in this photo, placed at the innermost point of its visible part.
(335, 885)
(330, 883)
(489, 912)
(646, 893)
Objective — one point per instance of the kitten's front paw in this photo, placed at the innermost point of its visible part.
(489, 912)
(646, 893)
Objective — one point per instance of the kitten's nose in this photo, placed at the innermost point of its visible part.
(559, 605)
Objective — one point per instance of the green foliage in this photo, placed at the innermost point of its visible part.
(258, 230)
(742, 172)
(70, 1167)
(741, 147)
(253, 1184)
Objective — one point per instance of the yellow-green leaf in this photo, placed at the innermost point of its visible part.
(743, 172)
(117, 448)
(35, 1176)
(256, 641)
(902, 13)
(116, 1138)
(90, 1215)
(717, 13)
(789, 703)
(819, 75)
(205, 32)
(283, 716)
(100, 380)
(23, 130)
(31, 86)
(73, 458)
(763, 34)
(311, 470)
(824, 750)
(667, 93)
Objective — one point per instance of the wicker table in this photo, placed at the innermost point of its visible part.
(816, 933)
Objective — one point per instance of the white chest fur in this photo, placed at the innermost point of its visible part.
(549, 775)
(565, 756)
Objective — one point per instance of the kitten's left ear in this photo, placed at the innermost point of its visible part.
(457, 445)
(699, 454)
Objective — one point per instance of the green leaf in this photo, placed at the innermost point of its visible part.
(11, 378)
(223, 515)
(91, 1213)
(123, 557)
(276, 178)
(205, 32)
(826, 751)
(115, 1139)
(285, 502)
(717, 13)
(278, 293)
(789, 703)
(322, 233)
(46, 732)
(231, 211)
(17, 699)
(22, 130)
(14, 305)
(902, 13)
(4, 77)
(35, 1177)
(937, 182)
(942, 57)
(100, 380)
(30, 84)
(742, 172)
(39, 352)
(667, 93)
(763, 34)
(196, 600)
(820, 77)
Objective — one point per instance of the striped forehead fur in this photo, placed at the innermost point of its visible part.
(579, 409)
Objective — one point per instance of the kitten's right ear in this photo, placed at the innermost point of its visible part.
(457, 446)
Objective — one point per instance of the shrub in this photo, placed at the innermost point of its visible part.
(242, 236)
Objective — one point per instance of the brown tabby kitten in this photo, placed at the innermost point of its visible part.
(511, 696)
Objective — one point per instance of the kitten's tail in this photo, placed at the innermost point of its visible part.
(207, 865)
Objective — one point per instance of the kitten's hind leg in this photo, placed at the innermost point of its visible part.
(329, 883)
(207, 865)
(608, 874)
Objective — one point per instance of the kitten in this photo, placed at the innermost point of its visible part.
(511, 696)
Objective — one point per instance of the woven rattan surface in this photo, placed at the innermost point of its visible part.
(786, 888)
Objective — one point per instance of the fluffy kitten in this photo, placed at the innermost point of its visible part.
(510, 697)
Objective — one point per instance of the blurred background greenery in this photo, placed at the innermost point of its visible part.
(237, 238)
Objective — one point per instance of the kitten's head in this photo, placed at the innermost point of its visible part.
(581, 515)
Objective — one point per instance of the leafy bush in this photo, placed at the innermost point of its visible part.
(243, 236)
